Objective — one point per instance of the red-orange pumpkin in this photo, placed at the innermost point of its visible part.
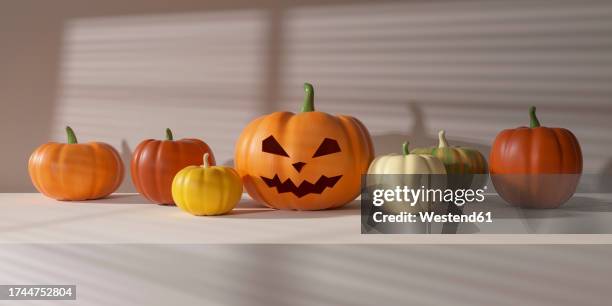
(156, 162)
(535, 167)
(75, 171)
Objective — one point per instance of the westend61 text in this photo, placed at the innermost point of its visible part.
(406, 217)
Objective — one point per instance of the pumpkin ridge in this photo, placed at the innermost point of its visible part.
(561, 164)
(208, 176)
(152, 193)
(349, 135)
(191, 175)
(95, 187)
(362, 135)
(506, 144)
(135, 165)
(58, 181)
(33, 168)
(577, 151)
(61, 165)
(222, 186)
(278, 121)
(37, 167)
(163, 168)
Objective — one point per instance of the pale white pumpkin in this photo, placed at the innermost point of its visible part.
(407, 163)
(416, 171)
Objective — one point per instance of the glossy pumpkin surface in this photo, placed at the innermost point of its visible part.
(465, 166)
(457, 160)
(205, 190)
(156, 162)
(413, 170)
(305, 161)
(536, 166)
(74, 171)
(407, 163)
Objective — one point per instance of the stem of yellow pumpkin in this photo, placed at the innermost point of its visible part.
(442, 143)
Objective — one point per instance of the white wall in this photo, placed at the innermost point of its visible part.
(123, 71)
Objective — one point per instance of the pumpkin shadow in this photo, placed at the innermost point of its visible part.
(576, 206)
(250, 209)
(604, 183)
(126, 157)
(580, 215)
(118, 199)
(418, 136)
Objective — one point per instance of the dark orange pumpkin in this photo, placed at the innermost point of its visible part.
(156, 162)
(74, 171)
(305, 161)
(535, 167)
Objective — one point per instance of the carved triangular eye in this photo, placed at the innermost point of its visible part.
(270, 145)
(328, 146)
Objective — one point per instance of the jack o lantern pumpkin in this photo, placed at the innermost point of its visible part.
(536, 166)
(305, 161)
(75, 171)
(156, 162)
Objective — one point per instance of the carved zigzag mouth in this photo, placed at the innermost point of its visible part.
(305, 187)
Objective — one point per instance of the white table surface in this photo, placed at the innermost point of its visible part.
(129, 218)
(123, 251)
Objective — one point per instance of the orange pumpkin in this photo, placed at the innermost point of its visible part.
(535, 167)
(306, 161)
(156, 162)
(74, 171)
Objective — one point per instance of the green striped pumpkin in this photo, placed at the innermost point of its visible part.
(461, 162)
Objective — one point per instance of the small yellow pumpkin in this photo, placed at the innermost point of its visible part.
(205, 190)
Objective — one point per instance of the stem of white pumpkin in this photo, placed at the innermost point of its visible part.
(405, 149)
(206, 164)
(442, 143)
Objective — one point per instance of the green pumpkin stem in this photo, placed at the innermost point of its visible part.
(71, 137)
(169, 135)
(534, 122)
(442, 143)
(308, 105)
(405, 149)
(205, 161)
